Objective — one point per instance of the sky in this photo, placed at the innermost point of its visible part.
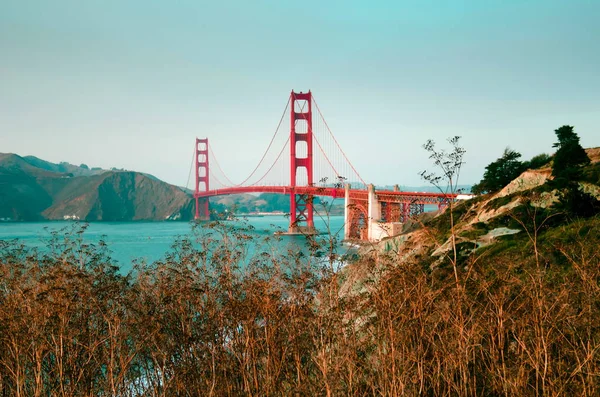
(131, 84)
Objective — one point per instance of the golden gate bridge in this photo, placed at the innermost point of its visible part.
(304, 161)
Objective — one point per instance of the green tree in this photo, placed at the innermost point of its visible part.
(500, 172)
(570, 157)
(537, 161)
(569, 160)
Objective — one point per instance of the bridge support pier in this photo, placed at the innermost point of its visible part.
(362, 216)
(347, 221)
(374, 208)
(202, 179)
(202, 211)
(301, 214)
(301, 157)
(367, 218)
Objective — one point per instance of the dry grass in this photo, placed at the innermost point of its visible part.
(519, 319)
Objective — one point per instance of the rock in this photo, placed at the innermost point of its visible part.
(527, 180)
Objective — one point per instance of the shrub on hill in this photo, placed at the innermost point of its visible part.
(505, 169)
(500, 173)
(577, 203)
(537, 161)
(568, 169)
(569, 159)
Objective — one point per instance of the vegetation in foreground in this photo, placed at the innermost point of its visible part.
(449, 311)
(523, 319)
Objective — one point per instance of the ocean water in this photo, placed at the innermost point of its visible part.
(150, 241)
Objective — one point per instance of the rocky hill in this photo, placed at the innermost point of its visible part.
(33, 189)
(529, 210)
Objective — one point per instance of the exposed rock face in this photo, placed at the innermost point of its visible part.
(29, 192)
(593, 154)
(527, 180)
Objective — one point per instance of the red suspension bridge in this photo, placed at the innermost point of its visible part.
(307, 161)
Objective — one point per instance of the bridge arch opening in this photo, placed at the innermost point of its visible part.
(301, 149)
(301, 176)
(357, 219)
(301, 105)
(301, 127)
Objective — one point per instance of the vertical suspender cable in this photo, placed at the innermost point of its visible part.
(187, 186)
(336, 142)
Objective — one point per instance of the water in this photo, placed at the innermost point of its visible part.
(149, 241)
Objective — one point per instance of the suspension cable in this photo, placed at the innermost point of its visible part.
(213, 176)
(187, 185)
(270, 143)
(336, 142)
(337, 174)
(220, 169)
(282, 149)
(274, 162)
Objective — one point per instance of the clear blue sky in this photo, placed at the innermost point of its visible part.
(132, 83)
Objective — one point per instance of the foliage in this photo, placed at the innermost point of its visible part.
(568, 170)
(569, 158)
(212, 319)
(449, 163)
(577, 203)
(591, 174)
(500, 173)
(537, 162)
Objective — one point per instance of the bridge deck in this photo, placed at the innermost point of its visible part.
(355, 194)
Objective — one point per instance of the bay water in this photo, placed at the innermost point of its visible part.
(150, 241)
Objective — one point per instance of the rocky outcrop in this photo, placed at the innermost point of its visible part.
(527, 180)
(476, 221)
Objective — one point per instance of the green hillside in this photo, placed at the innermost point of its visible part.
(33, 189)
(63, 167)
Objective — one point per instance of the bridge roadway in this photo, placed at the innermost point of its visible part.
(391, 196)
(369, 214)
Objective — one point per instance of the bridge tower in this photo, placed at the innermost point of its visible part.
(301, 144)
(202, 180)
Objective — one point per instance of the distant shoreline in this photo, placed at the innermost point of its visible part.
(259, 214)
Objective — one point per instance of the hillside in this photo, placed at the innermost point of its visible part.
(33, 189)
(269, 203)
(63, 167)
(492, 227)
